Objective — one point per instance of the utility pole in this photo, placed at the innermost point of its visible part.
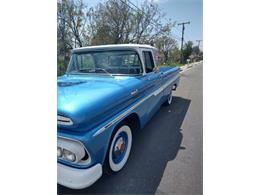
(198, 43)
(182, 38)
(198, 47)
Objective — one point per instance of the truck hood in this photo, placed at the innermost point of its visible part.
(89, 100)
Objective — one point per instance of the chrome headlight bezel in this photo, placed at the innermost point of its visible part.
(69, 146)
(59, 152)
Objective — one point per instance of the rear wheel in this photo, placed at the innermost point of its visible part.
(169, 100)
(119, 149)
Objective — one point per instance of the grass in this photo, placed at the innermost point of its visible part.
(172, 64)
(61, 69)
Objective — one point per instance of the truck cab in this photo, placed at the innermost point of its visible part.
(107, 93)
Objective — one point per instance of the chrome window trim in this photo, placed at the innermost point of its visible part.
(78, 51)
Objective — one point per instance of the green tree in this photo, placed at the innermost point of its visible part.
(196, 50)
(71, 29)
(187, 50)
(116, 22)
(175, 55)
(110, 22)
(165, 45)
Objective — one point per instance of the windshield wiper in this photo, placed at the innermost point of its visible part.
(104, 70)
(94, 70)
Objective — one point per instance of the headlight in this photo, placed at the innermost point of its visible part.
(59, 152)
(68, 155)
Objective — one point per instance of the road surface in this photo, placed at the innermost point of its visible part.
(166, 156)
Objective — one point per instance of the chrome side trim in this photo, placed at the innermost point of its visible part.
(155, 93)
(158, 91)
(61, 120)
(121, 116)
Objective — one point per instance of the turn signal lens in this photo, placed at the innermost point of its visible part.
(59, 152)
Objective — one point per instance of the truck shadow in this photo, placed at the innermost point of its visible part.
(153, 147)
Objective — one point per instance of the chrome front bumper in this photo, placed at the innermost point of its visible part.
(78, 178)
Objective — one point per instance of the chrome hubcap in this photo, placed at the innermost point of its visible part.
(120, 147)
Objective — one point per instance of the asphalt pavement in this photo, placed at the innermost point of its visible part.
(167, 155)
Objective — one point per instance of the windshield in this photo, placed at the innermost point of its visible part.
(105, 62)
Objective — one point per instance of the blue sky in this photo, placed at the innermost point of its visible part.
(179, 11)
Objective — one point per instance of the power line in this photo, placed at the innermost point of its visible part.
(138, 10)
(176, 36)
(134, 5)
(154, 23)
(186, 35)
(182, 37)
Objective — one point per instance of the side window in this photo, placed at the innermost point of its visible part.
(148, 60)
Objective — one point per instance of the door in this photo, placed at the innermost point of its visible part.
(153, 81)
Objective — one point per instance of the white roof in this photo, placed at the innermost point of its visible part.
(134, 46)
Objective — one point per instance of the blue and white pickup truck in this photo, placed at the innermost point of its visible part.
(108, 93)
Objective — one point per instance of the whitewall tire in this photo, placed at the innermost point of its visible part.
(169, 99)
(120, 147)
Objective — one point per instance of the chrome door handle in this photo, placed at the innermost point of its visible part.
(134, 92)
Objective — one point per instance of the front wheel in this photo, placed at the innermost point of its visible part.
(119, 149)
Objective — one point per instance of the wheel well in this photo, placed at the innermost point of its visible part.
(134, 121)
